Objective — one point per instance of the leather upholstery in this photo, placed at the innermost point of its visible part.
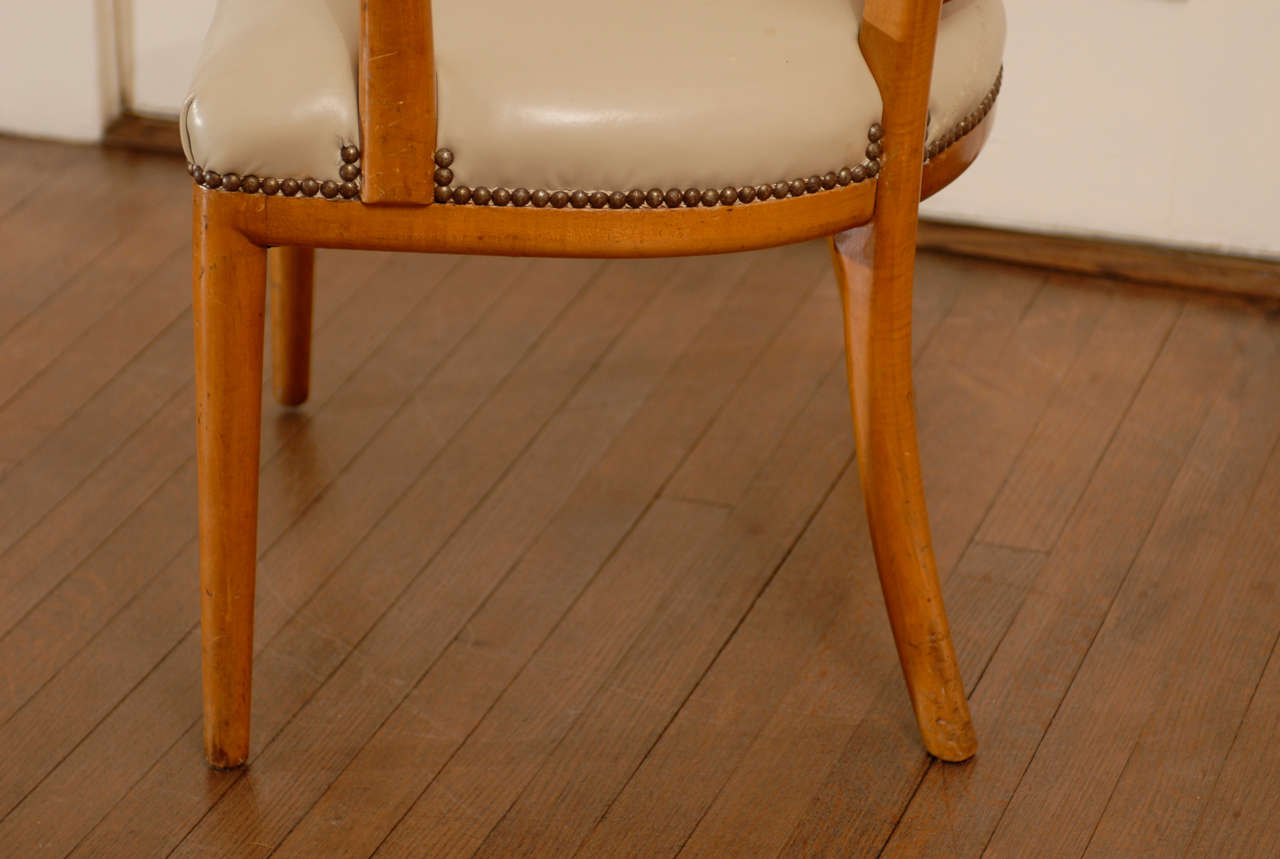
(966, 60)
(274, 93)
(578, 93)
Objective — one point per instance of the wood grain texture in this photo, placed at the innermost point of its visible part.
(559, 793)
(122, 524)
(291, 271)
(829, 569)
(26, 166)
(504, 526)
(746, 700)
(1239, 813)
(229, 312)
(1119, 686)
(144, 134)
(875, 272)
(535, 612)
(376, 447)
(1054, 468)
(1159, 799)
(1037, 660)
(1117, 260)
(397, 97)
(95, 198)
(974, 416)
(140, 580)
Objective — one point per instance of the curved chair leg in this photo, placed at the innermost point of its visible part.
(229, 280)
(292, 278)
(877, 320)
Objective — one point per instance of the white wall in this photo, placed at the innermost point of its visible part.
(166, 38)
(58, 68)
(1155, 120)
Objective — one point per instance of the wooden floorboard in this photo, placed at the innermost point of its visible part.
(27, 165)
(1238, 815)
(569, 558)
(1001, 323)
(1120, 684)
(296, 551)
(1118, 260)
(621, 320)
(1159, 797)
(525, 608)
(97, 543)
(956, 809)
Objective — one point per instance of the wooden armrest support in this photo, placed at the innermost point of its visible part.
(897, 39)
(397, 92)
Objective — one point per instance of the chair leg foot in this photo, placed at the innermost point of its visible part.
(229, 281)
(292, 271)
(877, 318)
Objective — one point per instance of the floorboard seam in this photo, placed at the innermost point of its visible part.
(1217, 778)
(489, 595)
(107, 455)
(1119, 586)
(138, 283)
(738, 625)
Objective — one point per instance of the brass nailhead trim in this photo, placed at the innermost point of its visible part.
(654, 198)
(674, 198)
(967, 124)
(308, 186)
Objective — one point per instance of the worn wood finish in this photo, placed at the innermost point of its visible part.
(292, 273)
(397, 94)
(875, 269)
(229, 307)
(878, 345)
(528, 231)
(443, 402)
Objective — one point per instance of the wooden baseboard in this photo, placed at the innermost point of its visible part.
(1200, 270)
(143, 134)
(1124, 260)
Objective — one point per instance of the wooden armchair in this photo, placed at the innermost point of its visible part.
(648, 129)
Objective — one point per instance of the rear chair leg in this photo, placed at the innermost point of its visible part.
(229, 284)
(292, 281)
(877, 322)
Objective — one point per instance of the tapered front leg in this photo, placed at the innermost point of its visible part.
(877, 319)
(292, 271)
(229, 280)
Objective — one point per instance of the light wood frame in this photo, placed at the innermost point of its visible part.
(872, 226)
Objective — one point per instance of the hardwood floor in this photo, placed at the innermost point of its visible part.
(569, 557)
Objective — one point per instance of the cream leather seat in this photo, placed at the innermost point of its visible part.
(581, 95)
